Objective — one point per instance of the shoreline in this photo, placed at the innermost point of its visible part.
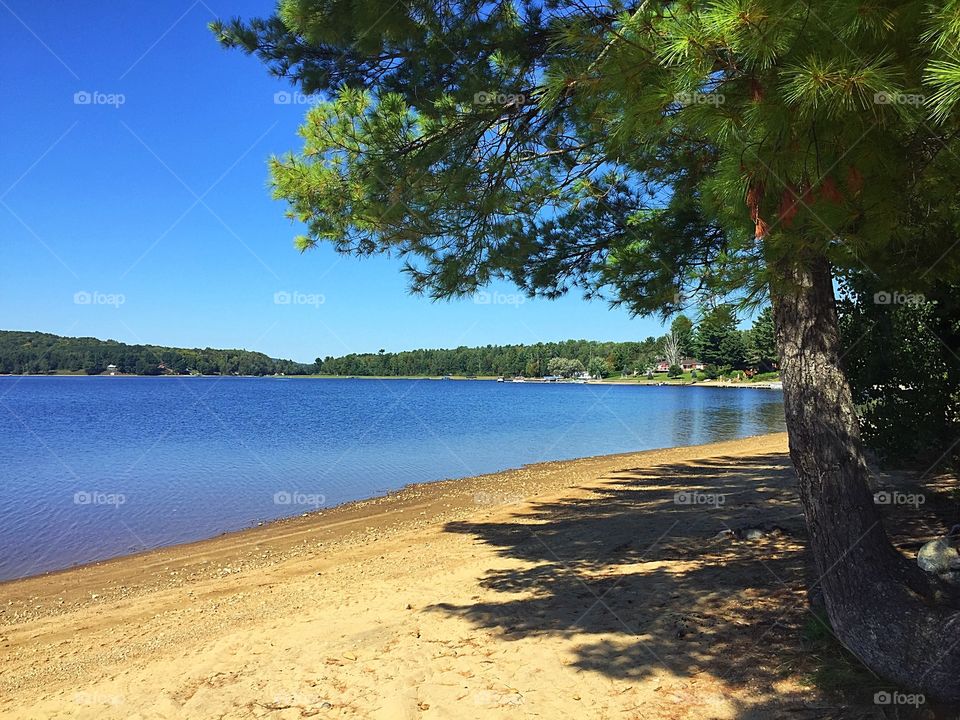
(470, 595)
(665, 382)
(334, 524)
(581, 588)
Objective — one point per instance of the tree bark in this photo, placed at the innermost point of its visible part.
(879, 602)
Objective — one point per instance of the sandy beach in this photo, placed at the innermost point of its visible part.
(568, 589)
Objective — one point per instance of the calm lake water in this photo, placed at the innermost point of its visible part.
(94, 467)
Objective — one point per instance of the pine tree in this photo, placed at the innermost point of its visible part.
(762, 343)
(717, 340)
(682, 327)
(655, 153)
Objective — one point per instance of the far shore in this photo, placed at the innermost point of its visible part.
(657, 381)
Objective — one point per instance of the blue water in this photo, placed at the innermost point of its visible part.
(94, 467)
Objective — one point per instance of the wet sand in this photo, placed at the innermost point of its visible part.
(582, 588)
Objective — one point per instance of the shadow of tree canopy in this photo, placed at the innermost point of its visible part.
(658, 568)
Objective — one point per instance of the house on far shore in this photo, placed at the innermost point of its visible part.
(687, 364)
(111, 369)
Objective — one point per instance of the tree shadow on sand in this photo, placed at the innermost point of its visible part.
(662, 570)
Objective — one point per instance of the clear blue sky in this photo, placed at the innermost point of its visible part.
(161, 202)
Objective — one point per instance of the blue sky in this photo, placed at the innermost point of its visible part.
(138, 210)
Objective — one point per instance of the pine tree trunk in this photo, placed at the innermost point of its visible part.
(879, 602)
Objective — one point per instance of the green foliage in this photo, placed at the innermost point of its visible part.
(597, 367)
(648, 155)
(40, 353)
(675, 371)
(682, 328)
(564, 367)
(508, 360)
(599, 358)
(733, 349)
(902, 356)
(717, 341)
(761, 342)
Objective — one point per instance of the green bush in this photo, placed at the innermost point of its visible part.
(903, 363)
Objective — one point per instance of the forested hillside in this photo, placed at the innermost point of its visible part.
(38, 353)
(715, 340)
(529, 360)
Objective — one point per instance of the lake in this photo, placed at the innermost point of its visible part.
(95, 467)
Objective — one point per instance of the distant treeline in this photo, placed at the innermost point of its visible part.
(41, 353)
(529, 360)
(715, 340)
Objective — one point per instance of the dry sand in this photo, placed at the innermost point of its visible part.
(562, 590)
